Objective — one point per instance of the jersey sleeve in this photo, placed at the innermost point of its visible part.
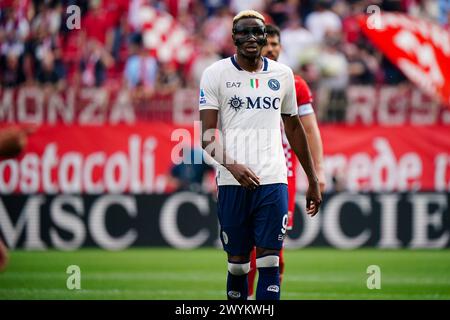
(209, 91)
(304, 97)
(289, 104)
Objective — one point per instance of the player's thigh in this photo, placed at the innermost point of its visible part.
(235, 222)
(270, 218)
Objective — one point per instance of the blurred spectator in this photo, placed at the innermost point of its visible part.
(447, 25)
(48, 16)
(44, 46)
(392, 74)
(93, 64)
(280, 11)
(140, 69)
(115, 11)
(168, 79)
(393, 5)
(217, 30)
(48, 72)
(425, 9)
(206, 56)
(95, 25)
(12, 74)
(190, 175)
(14, 21)
(212, 6)
(362, 66)
(323, 20)
(239, 5)
(13, 32)
(350, 25)
(333, 66)
(297, 43)
(444, 12)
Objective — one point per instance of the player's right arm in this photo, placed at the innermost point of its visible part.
(309, 122)
(312, 131)
(212, 145)
(297, 139)
(209, 110)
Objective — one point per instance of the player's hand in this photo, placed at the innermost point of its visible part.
(244, 175)
(313, 198)
(14, 139)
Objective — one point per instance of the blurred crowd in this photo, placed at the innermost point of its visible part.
(321, 41)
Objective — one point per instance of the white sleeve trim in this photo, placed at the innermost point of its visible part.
(305, 109)
(208, 107)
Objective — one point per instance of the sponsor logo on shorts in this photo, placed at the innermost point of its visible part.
(272, 288)
(235, 294)
(224, 237)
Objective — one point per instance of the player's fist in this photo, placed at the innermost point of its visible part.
(244, 175)
(3, 256)
(13, 140)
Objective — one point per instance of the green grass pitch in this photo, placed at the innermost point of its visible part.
(169, 274)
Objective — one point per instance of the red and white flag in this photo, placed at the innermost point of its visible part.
(166, 39)
(418, 47)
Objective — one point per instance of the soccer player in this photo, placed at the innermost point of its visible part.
(249, 95)
(308, 119)
(12, 141)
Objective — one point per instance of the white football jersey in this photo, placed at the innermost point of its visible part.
(250, 105)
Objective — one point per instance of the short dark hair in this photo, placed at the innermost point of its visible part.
(273, 30)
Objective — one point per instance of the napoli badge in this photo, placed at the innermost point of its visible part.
(274, 84)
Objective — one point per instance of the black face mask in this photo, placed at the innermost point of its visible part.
(243, 34)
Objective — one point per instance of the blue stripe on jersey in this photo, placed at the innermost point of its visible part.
(265, 61)
(266, 64)
(233, 60)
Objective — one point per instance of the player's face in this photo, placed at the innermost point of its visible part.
(249, 36)
(273, 48)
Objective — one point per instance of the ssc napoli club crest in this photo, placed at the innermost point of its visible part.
(235, 103)
(274, 84)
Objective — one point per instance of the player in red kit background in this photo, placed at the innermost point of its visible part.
(308, 119)
(13, 140)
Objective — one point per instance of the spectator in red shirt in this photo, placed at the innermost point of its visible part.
(116, 12)
(95, 25)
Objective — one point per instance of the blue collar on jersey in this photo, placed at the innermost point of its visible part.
(234, 62)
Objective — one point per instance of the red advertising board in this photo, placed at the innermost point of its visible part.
(138, 158)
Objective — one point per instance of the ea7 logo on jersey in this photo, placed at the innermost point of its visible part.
(233, 84)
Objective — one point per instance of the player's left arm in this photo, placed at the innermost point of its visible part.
(312, 131)
(297, 139)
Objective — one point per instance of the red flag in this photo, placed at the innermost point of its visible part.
(418, 47)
